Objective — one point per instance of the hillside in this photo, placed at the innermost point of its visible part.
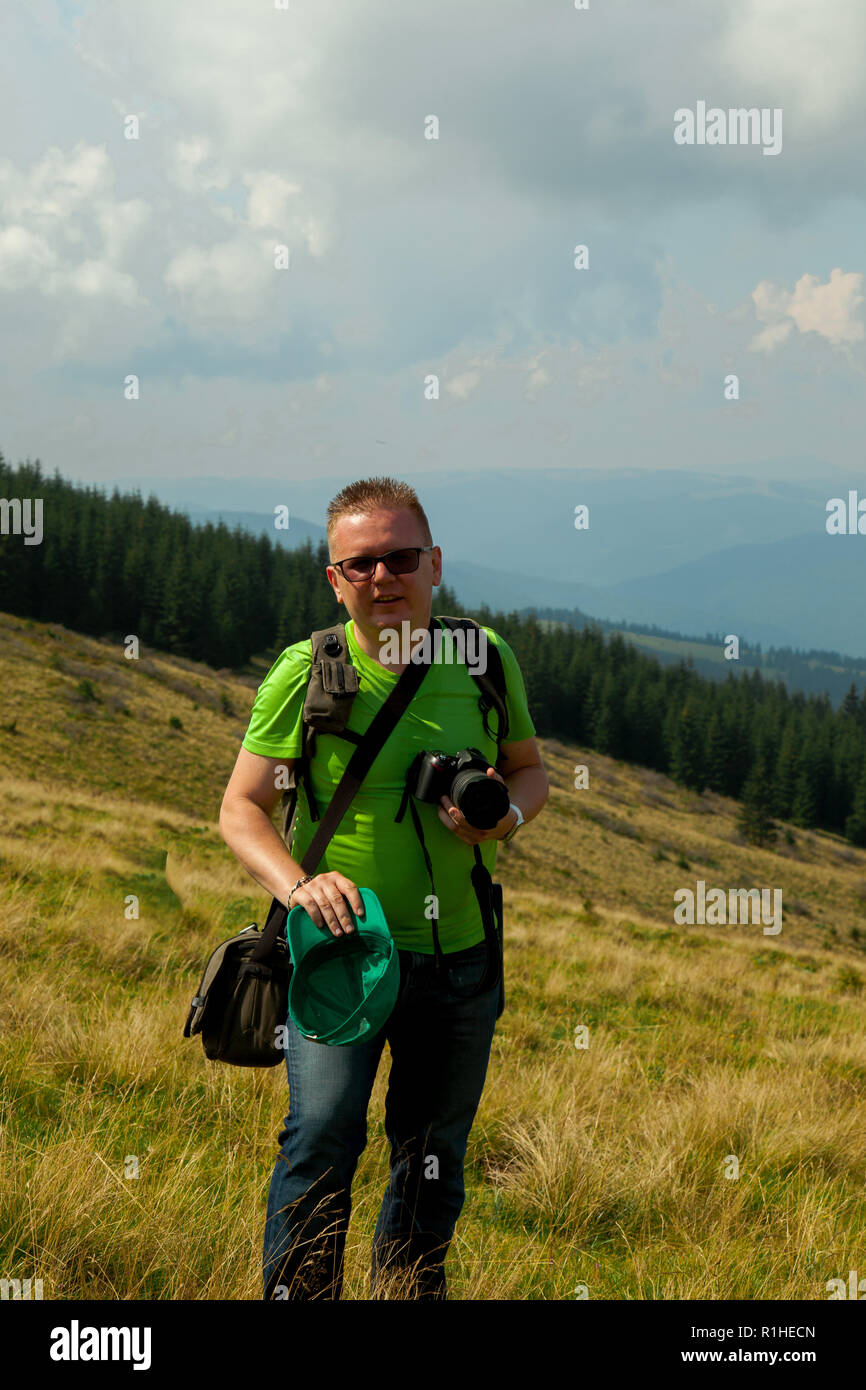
(602, 1166)
(812, 672)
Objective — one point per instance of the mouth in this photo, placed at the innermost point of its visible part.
(397, 598)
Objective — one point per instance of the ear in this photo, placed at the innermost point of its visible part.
(333, 580)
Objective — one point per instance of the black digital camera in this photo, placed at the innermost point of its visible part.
(462, 776)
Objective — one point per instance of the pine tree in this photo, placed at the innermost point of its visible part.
(787, 770)
(805, 808)
(719, 756)
(855, 825)
(755, 816)
(687, 751)
(851, 703)
(608, 722)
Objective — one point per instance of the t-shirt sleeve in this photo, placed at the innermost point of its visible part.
(275, 727)
(520, 723)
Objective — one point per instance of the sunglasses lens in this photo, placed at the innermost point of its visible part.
(359, 568)
(402, 561)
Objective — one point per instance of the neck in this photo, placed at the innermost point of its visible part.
(370, 641)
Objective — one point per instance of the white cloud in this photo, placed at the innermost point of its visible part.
(831, 309)
(462, 386)
(234, 70)
(267, 205)
(810, 54)
(66, 240)
(65, 201)
(94, 280)
(55, 188)
(24, 258)
(232, 281)
(537, 379)
(270, 205)
(120, 225)
(193, 168)
(772, 337)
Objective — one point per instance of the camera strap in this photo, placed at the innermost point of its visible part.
(482, 883)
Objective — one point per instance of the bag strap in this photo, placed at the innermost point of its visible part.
(362, 759)
(482, 884)
(492, 683)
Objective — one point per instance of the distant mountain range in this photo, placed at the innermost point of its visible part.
(688, 552)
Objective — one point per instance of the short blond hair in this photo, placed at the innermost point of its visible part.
(372, 495)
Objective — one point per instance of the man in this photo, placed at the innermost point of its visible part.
(439, 1042)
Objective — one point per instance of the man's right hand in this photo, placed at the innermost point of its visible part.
(324, 899)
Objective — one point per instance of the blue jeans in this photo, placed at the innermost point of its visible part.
(440, 1047)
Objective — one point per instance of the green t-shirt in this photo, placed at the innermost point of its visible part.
(369, 847)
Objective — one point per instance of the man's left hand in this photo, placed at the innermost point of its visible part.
(450, 815)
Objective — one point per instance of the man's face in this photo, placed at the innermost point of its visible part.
(410, 593)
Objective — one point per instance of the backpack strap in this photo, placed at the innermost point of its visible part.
(492, 683)
(334, 681)
(333, 685)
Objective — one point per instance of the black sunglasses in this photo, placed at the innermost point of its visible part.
(360, 567)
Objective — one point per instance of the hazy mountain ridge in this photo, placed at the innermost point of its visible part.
(725, 589)
(694, 553)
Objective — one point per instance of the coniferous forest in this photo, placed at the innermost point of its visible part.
(115, 565)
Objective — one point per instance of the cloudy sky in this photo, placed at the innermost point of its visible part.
(304, 127)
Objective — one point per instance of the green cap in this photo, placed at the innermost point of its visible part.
(343, 988)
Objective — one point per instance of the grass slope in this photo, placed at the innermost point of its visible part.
(598, 1168)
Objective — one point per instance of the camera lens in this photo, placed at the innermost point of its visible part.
(481, 799)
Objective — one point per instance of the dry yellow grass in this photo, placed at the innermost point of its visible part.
(601, 1166)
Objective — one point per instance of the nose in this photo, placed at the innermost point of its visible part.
(386, 573)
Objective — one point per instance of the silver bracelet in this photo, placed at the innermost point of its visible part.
(298, 885)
